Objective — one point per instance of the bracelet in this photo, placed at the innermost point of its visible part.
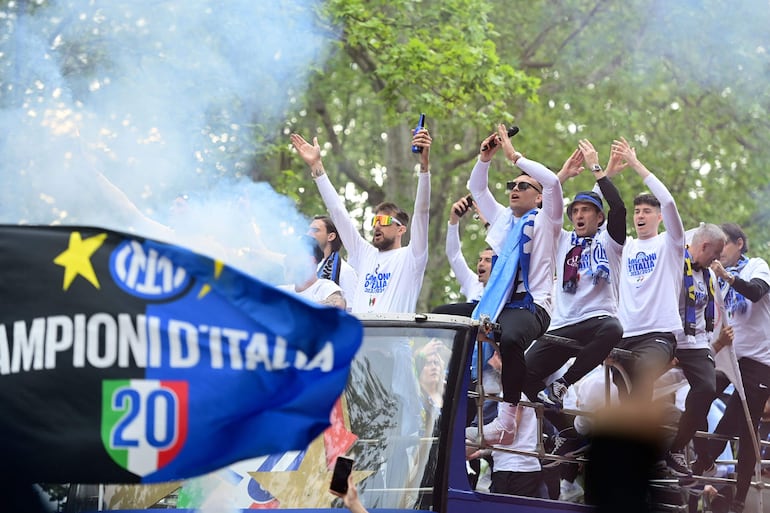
(486, 225)
(516, 156)
(315, 173)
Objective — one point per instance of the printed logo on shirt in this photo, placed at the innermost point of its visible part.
(641, 265)
(701, 297)
(376, 282)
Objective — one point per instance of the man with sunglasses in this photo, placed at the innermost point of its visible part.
(587, 270)
(389, 275)
(518, 293)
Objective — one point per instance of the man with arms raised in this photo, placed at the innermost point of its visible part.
(650, 280)
(389, 274)
(518, 292)
(588, 267)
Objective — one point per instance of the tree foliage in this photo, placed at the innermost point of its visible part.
(685, 82)
(682, 82)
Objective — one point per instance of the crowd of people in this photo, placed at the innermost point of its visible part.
(553, 303)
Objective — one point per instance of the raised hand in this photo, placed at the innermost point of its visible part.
(487, 150)
(616, 163)
(310, 153)
(459, 208)
(572, 167)
(505, 143)
(422, 139)
(590, 155)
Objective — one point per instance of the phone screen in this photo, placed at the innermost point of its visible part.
(342, 469)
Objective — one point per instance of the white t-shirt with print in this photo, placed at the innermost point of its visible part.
(651, 274)
(388, 281)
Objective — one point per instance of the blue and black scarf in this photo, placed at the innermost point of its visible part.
(689, 287)
(330, 268)
(515, 254)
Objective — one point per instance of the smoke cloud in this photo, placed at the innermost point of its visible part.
(112, 112)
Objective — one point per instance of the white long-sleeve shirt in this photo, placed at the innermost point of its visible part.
(547, 226)
(388, 281)
(470, 286)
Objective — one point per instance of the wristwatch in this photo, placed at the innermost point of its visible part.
(596, 168)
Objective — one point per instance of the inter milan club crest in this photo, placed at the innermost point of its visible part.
(144, 422)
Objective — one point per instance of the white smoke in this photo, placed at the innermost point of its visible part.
(162, 98)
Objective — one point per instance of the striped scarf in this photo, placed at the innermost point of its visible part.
(689, 306)
(330, 268)
(598, 265)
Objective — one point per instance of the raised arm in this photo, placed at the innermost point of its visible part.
(671, 219)
(616, 217)
(478, 184)
(418, 233)
(572, 167)
(553, 198)
(311, 154)
(457, 263)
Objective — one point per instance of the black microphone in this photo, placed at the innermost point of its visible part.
(511, 132)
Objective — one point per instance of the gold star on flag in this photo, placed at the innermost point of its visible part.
(76, 259)
(306, 487)
(218, 266)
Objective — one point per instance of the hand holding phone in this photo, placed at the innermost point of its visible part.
(461, 209)
(511, 132)
(420, 126)
(342, 469)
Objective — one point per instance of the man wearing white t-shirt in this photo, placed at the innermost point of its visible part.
(650, 281)
(587, 271)
(515, 473)
(389, 275)
(744, 283)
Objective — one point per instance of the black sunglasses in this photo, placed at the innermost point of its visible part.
(522, 186)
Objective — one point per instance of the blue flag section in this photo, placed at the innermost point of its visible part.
(127, 360)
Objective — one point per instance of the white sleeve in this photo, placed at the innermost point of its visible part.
(553, 197)
(354, 243)
(465, 275)
(418, 233)
(671, 219)
(478, 185)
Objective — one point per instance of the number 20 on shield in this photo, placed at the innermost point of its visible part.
(144, 422)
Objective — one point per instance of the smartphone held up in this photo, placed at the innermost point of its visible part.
(342, 469)
(462, 209)
(511, 132)
(420, 126)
